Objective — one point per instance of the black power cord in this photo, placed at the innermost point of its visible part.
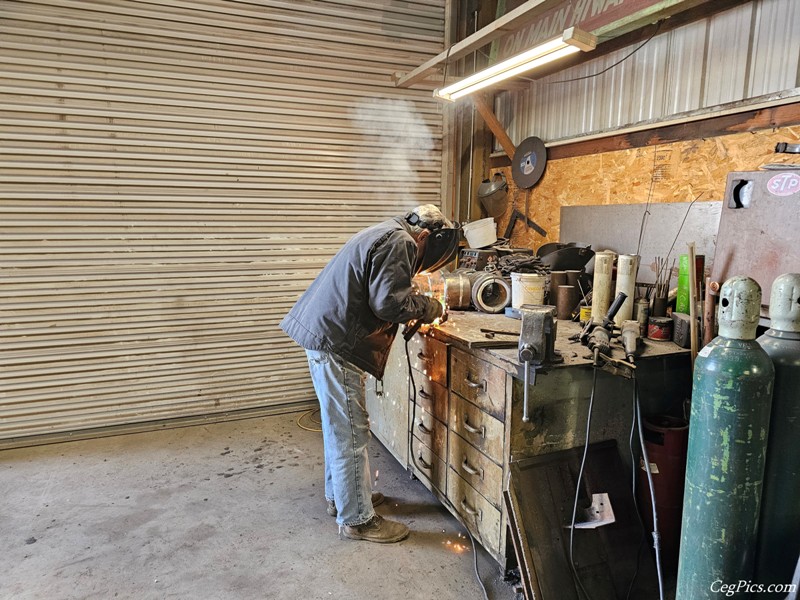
(636, 424)
(619, 62)
(634, 413)
(646, 459)
(444, 500)
(578, 488)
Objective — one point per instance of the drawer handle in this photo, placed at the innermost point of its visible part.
(422, 357)
(469, 510)
(426, 466)
(481, 432)
(472, 384)
(423, 429)
(470, 469)
(424, 394)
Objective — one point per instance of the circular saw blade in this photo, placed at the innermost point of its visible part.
(529, 162)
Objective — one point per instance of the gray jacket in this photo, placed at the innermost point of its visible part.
(353, 307)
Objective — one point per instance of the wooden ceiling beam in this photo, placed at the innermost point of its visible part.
(485, 109)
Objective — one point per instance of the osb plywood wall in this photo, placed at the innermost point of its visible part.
(676, 172)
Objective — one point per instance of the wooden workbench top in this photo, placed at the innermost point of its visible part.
(463, 328)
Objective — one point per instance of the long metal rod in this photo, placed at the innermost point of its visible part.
(525, 395)
(472, 128)
(527, 383)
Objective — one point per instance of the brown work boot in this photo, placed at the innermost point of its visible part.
(377, 529)
(377, 498)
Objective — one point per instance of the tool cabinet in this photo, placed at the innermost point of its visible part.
(464, 424)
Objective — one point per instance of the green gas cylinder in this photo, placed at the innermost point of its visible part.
(779, 527)
(731, 402)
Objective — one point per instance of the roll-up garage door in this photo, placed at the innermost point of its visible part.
(173, 174)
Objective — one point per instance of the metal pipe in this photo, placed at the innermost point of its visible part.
(601, 286)
(472, 128)
(627, 268)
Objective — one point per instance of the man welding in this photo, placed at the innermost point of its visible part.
(347, 320)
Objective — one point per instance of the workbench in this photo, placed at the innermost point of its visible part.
(461, 417)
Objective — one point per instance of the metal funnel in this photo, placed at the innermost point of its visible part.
(492, 194)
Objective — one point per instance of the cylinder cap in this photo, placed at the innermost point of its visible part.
(739, 308)
(784, 303)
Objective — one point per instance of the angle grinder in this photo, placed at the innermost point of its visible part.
(412, 327)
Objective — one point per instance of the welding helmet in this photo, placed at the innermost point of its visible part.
(441, 245)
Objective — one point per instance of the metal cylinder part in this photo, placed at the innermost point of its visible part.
(601, 285)
(567, 299)
(457, 291)
(429, 284)
(557, 278)
(490, 293)
(572, 277)
(643, 315)
(779, 524)
(627, 269)
(731, 402)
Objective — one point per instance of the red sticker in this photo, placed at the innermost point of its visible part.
(784, 184)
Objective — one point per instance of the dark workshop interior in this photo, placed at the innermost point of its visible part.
(581, 374)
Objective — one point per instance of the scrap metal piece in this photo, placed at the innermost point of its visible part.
(490, 292)
(598, 514)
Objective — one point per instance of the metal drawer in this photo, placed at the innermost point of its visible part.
(480, 517)
(477, 427)
(476, 469)
(479, 382)
(430, 431)
(429, 468)
(429, 356)
(431, 396)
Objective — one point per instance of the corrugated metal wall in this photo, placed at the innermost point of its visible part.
(742, 53)
(172, 176)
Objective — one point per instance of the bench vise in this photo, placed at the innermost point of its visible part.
(537, 340)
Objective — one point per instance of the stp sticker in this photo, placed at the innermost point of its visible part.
(784, 184)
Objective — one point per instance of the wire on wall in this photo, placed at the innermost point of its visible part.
(619, 62)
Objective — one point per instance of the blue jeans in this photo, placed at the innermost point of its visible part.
(345, 434)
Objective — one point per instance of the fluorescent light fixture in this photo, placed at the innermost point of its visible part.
(574, 40)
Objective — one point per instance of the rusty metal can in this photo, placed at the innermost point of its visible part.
(659, 329)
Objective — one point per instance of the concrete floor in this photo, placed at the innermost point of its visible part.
(228, 511)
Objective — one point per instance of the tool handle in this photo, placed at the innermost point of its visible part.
(614, 308)
(783, 147)
(412, 329)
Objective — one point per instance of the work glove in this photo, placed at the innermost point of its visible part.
(433, 310)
